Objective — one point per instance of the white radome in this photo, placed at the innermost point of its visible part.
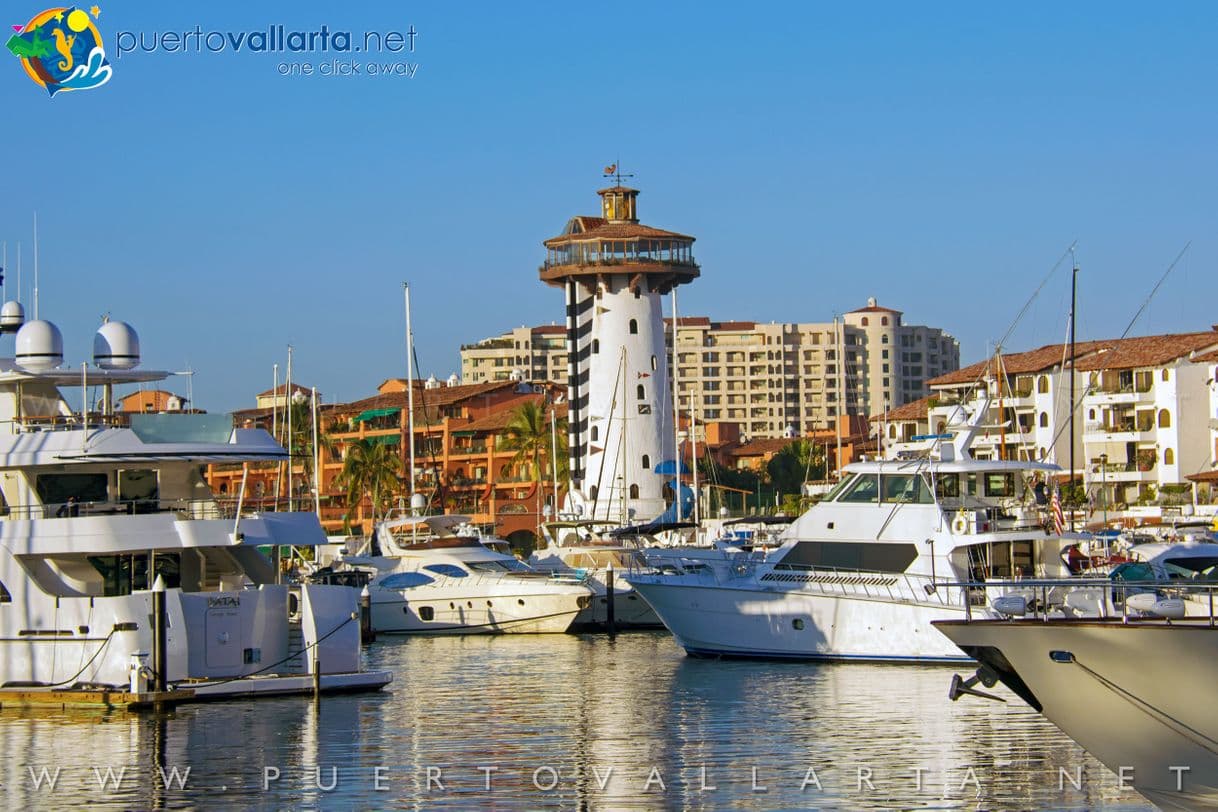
(116, 345)
(39, 346)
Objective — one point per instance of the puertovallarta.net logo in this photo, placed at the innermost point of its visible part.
(61, 49)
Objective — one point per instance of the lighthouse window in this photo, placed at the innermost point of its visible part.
(592, 492)
(653, 362)
(641, 393)
(646, 462)
(634, 491)
(634, 326)
(596, 433)
(596, 345)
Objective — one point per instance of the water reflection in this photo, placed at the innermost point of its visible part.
(569, 723)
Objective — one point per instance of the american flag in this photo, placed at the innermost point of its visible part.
(1055, 507)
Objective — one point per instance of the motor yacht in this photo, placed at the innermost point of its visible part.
(434, 575)
(861, 574)
(101, 509)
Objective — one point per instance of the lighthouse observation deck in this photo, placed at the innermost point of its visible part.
(617, 243)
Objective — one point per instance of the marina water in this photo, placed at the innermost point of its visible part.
(569, 722)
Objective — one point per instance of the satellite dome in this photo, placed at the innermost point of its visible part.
(12, 316)
(431, 383)
(39, 346)
(116, 345)
(453, 380)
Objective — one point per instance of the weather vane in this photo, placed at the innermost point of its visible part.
(613, 171)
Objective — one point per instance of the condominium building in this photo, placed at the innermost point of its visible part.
(772, 379)
(522, 354)
(1146, 415)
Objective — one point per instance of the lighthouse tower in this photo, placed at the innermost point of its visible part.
(614, 271)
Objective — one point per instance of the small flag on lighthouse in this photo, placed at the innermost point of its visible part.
(644, 374)
(1055, 507)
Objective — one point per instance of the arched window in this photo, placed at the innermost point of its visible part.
(1044, 420)
(1166, 375)
(653, 363)
(1169, 457)
(596, 345)
(884, 338)
(634, 491)
(634, 327)
(1091, 414)
(1164, 419)
(592, 492)
(596, 433)
(892, 430)
(646, 462)
(940, 428)
(884, 321)
(1042, 384)
(864, 321)
(642, 394)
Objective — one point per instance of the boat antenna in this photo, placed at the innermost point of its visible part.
(35, 266)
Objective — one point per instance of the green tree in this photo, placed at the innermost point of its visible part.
(370, 469)
(528, 434)
(798, 462)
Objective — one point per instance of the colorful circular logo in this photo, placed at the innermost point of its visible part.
(61, 49)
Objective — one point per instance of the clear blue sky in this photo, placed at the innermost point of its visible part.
(939, 156)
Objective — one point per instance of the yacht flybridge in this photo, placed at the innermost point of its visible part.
(99, 508)
(862, 573)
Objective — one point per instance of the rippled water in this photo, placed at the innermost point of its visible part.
(624, 724)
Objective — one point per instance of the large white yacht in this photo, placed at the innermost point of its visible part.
(431, 576)
(862, 573)
(1132, 688)
(100, 507)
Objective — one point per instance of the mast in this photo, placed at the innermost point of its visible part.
(409, 395)
(841, 394)
(676, 407)
(554, 452)
(275, 429)
(287, 403)
(1002, 424)
(1073, 324)
(316, 462)
(693, 457)
(35, 266)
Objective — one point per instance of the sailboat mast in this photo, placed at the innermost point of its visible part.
(676, 407)
(1073, 325)
(841, 394)
(409, 392)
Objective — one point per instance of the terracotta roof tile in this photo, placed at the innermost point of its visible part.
(1020, 363)
(761, 447)
(1208, 358)
(913, 410)
(616, 231)
(549, 329)
(1148, 351)
(734, 325)
(283, 387)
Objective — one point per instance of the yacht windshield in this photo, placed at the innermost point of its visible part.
(451, 570)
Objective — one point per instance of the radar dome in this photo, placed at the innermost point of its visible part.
(12, 316)
(39, 346)
(116, 346)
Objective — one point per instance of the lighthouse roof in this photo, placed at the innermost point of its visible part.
(586, 229)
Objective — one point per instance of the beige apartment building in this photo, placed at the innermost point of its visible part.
(772, 379)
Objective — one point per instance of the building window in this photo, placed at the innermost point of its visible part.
(884, 339)
(1165, 376)
(1169, 456)
(592, 492)
(1164, 419)
(634, 491)
(646, 462)
(642, 394)
(1042, 385)
(1091, 414)
(1044, 420)
(864, 321)
(634, 327)
(884, 321)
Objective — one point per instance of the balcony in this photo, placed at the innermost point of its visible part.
(1119, 433)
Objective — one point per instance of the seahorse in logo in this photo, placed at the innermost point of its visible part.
(64, 46)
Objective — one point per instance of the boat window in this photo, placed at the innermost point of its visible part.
(947, 486)
(866, 488)
(54, 489)
(907, 488)
(873, 556)
(124, 574)
(837, 489)
(451, 570)
(406, 580)
(140, 488)
(1000, 483)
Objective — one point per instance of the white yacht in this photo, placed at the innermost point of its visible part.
(432, 576)
(101, 507)
(586, 549)
(1133, 688)
(862, 573)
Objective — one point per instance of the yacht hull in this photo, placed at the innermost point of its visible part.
(1134, 695)
(451, 611)
(728, 621)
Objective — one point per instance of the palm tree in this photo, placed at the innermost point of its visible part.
(528, 434)
(369, 469)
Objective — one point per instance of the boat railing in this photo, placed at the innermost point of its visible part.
(1175, 599)
(184, 509)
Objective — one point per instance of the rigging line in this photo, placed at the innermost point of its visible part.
(1023, 312)
(1150, 710)
(437, 493)
(600, 475)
